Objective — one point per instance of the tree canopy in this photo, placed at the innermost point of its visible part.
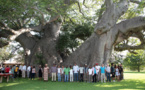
(135, 61)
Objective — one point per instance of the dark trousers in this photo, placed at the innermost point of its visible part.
(94, 78)
(20, 73)
(81, 77)
(108, 77)
(15, 74)
(33, 76)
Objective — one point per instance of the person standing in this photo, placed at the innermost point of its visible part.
(90, 72)
(53, 72)
(121, 72)
(113, 72)
(33, 73)
(3, 69)
(59, 73)
(24, 71)
(40, 71)
(71, 74)
(20, 70)
(66, 72)
(81, 69)
(46, 71)
(28, 71)
(94, 73)
(97, 71)
(108, 70)
(75, 70)
(102, 73)
(16, 71)
(85, 73)
(62, 73)
(12, 72)
(117, 72)
(7, 69)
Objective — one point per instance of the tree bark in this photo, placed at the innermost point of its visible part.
(46, 45)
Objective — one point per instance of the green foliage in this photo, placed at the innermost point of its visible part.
(73, 35)
(5, 53)
(135, 61)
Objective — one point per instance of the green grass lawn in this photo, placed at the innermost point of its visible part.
(133, 81)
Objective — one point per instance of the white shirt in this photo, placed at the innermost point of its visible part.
(97, 69)
(62, 70)
(28, 68)
(108, 69)
(81, 69)
(75, 69)
(20, 67)
(58, 70)
(24, 67)
(71, 71)
(90, 71)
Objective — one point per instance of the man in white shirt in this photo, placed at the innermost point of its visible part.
(81, 73)
(59, 71)
(28, 71)
(90, 72)
(108, 71)
(98, 71)
(23, 71)
(75, 70)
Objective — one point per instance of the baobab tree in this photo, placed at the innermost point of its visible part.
(110, 30)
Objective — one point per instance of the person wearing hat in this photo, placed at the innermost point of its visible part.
(85, 73)
(97, 71)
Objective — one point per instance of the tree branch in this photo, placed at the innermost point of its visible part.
(42, 20)
(135, 24)
(80, 10)
(137, 1)
(84, 3)
(128, 47)
(110, 16)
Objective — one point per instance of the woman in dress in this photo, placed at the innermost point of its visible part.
(40, 72)
(33, 73)
(117, 72)
(46, 71)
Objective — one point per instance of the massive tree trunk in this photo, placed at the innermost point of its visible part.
(96, 49)
(45, 45)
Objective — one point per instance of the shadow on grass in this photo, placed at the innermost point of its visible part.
(136, 72)
(25, 84)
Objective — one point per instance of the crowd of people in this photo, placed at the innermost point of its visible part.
(75, 73)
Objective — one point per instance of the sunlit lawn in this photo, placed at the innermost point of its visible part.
(133, 81)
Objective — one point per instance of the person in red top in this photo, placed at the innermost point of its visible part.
(7, 69)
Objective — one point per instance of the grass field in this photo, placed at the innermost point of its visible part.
(133, 81)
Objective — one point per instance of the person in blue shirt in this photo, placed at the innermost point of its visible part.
(94, 73)
(103, 70)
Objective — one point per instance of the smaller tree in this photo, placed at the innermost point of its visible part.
(135, 61)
